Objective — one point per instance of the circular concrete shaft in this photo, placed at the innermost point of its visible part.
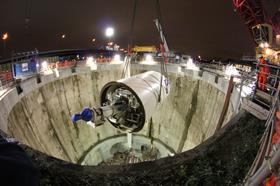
(41, 119)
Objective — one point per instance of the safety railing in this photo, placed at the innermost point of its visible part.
(266, 164)
(8, 79)
(264, 169)
(266, 84)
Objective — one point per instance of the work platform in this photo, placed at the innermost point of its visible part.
(255, 109)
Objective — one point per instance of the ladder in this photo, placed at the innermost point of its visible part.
(261, 102)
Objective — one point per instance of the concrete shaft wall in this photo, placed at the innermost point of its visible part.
(189, 115)
(41, 116)
(42, 119)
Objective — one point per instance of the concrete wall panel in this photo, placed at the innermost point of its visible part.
(40, 116)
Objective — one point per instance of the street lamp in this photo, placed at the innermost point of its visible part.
(5, 36)
(109, 32)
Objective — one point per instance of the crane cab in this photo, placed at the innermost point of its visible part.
(263, 33)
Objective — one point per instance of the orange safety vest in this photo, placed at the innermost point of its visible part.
(276, 135)
(264, 70)
(271, 181)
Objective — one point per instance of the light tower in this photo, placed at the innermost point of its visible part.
(109, 33)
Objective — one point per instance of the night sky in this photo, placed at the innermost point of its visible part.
(209, 28)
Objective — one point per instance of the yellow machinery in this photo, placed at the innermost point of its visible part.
(268, 46)
(272, 54)
(144, 49)
(265, 29)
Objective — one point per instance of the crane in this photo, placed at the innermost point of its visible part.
(264, 30)
(162, 37)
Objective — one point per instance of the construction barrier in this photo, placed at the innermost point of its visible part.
(65, 64)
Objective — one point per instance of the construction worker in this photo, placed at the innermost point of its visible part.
(271, 181)
(263, 74)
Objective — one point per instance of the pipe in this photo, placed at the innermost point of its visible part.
(226, 104)
(264, 170)
(239, 96)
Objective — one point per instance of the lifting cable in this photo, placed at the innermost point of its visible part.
(163, 68)
(132, 27)
(130, 40)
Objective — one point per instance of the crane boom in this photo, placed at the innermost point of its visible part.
(162, 37)
(264, 29)
(256, 19)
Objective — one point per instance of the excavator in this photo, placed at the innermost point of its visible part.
(264, 28)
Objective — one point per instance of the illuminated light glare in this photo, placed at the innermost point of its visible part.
(44, 65)
(246, 91)
(171, 154)
(93, 40)
(268, 51)
(117, 59)
(90, 123)
(116, 47)
(110, 43)
(45, 68)
(5, 36)
(63, 36)
(262, 45)
(56, 72)
(89, 60)
(149, 58)
(109, 32)
(266, 45)
(179, 69)
(231, 71)
(190, 65)
(91, 63)
(147, 62)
